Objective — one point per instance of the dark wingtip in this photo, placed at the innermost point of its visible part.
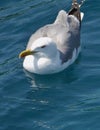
(75, 10)
(71, 12)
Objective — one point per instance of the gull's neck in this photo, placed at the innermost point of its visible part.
(42, 65)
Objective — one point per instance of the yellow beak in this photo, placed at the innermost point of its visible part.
(25, 53)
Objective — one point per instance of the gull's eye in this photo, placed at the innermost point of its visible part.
(43, 46)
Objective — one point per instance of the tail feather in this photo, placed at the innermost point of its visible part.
(75, 9)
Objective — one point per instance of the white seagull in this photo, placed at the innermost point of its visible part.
(54, 47)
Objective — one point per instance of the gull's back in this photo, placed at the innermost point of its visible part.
(65, 32)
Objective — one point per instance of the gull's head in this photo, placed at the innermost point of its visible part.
(42, 47)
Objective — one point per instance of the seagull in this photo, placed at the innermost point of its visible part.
(54, 47)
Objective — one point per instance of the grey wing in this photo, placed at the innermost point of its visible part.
(69, 35)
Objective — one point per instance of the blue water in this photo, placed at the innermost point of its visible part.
(69, 100)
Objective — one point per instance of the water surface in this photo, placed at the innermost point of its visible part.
(69, 100)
